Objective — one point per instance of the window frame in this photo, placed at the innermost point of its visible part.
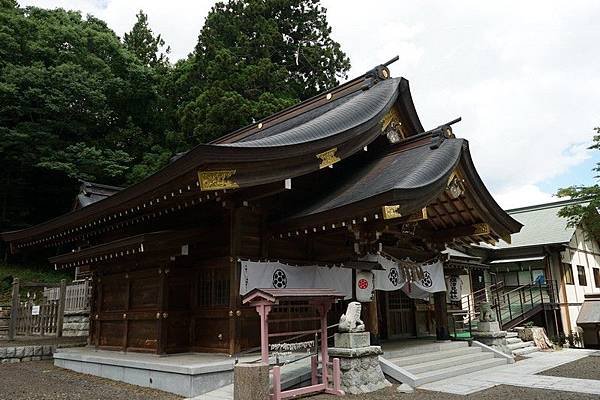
(581, 273)
(596, 273)
(567, 274)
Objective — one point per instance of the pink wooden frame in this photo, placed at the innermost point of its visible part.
(263, 306)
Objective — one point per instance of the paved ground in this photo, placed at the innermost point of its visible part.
(40, 380)
(585, 368)
(497, 393)
(522, 374)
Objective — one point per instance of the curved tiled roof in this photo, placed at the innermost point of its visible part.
(338, 116)
(407, 174)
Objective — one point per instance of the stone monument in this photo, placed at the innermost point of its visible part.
(488, 330)
(359, 361)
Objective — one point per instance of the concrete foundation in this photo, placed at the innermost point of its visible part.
(187, 375)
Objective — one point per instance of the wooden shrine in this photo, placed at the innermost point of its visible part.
(349, 172)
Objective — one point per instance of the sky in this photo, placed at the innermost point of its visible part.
(523, 75)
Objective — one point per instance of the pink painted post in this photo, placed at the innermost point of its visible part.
(337, 377)
(323, 308)
(263, 310)
(314, 369)
(277, 383)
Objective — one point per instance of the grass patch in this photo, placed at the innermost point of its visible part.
(43, 274)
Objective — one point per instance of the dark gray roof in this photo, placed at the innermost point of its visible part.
(590, 310)
(409, 175)
(337, 116)
(90, 192)
(541, 225)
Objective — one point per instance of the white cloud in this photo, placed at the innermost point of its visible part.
(523, 75)
(520, 196)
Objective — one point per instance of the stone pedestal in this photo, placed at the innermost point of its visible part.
(251, 382)
(359, 363)
(489, 333)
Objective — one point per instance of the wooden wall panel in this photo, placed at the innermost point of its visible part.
(111, 333)
(142, 335)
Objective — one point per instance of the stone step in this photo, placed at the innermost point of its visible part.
(512, 335)
(432, 356)
(433, 347)
(448, 362)
(512, 340)
(456, 370)
(514, 346)
(525, 350)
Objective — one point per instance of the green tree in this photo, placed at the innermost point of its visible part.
(75, 103)
(586, 211)
(147, 47)
(253, 58)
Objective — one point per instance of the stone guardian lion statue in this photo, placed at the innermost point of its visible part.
(350, 321)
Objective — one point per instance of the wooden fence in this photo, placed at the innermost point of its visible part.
(36, 319)
(39, 319)
(77, 297)
(4, 319)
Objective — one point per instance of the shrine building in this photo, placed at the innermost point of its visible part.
(345, 191)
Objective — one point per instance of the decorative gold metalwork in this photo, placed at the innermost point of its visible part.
(481, 229)
(391, 212)
(419, 216)
(455, 186)
(507, 238)
(217, 180)
(391, 116)
(328, 158)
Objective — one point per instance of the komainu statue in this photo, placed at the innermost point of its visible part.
(485, 312)
(350, 321)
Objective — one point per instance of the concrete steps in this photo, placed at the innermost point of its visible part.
(518, 347)
(448, 360)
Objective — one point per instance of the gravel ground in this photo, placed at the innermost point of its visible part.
(41, 380)
(496, 393)
(585, 368)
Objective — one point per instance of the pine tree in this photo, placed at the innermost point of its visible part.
(253, 58)
(142, 42)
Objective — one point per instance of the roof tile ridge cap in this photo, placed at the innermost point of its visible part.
(312, 121)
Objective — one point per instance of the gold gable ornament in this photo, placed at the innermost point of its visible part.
(391, 212)
(328, 158)
(217, 180)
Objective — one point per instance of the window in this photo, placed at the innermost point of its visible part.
(597, 277)
(568, 274)
(581, 276)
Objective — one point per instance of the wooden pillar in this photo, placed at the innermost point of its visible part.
(234, 282)
(126, 313)
(14, 310)
(161, 315)
(61, 308)
(441, 316)
(372, 323)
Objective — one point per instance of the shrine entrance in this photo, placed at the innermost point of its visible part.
(399, 315)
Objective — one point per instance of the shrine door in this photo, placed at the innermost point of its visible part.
(400, 315)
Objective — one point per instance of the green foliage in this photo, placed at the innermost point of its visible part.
(586, 212)
(253, 58)
(76, 102)
(147, 48)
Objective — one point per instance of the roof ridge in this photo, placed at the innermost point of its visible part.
(544, 206)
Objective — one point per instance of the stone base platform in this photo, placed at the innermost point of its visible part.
(187, 375)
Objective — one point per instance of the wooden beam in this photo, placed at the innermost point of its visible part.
(481, 229)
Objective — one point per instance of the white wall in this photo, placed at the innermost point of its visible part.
(587, 254)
